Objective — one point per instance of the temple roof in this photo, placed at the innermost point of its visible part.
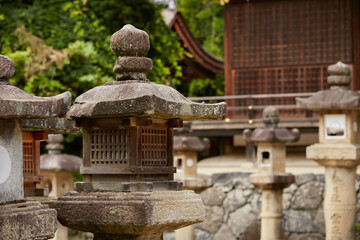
(175, 20)
(16, 103)
(132, 94)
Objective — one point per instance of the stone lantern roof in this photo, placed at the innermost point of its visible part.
(271, 132)
(16, 103)
(339, 96)
(57, 161)
(132, 95)
(184, 142)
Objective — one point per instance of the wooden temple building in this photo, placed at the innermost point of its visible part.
(275, 51)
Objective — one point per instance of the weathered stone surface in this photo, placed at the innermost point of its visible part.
(7, 68)
(223, 181)
(202, 235)
(213, 219)
(319, 220)
(55, 160)
(11, 179)
(240, 219)
(308, 195)
(242, 181)
(306, 236)
(28, 220)
(212, 196)
(271, 181)
(271, 132)
(130, 41)
(304, 178)
(286, 200)
(252, 232)
(298, 221)
(224, 233)
(50, 125)
(338, 96)
(234, 199)
(190, 143)
(114, 212)
(134, 95)
(141, 99)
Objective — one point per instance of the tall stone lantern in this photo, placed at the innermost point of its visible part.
(271, 178)
(338, 149)
(128, 190)
(19, 219)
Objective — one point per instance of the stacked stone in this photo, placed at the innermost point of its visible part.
(271, 179)
(128, 190)
(338, 149)
(19, 219)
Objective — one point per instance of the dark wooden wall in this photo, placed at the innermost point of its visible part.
(285, 46)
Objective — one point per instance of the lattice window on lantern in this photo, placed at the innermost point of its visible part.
(109, 146)
(28, 157)
(154, 146)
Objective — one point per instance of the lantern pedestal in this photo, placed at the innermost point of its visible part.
(340, 161)
(136, 215)
(271, 185)
(27, 220)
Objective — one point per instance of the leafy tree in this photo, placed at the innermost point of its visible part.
(62, 45)
(205, 19)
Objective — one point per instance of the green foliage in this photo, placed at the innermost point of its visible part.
(79, 31)
(205, 19)
(207, 87)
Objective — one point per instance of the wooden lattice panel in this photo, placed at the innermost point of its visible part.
(284, 33)
(109, 147)
(28, 158)
(154, 145)
(277, 80)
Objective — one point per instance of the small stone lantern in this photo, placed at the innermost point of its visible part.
(338, 149)
(128, 190)
(19, 219)
(271, 178)
(186, 148)
(57, 168)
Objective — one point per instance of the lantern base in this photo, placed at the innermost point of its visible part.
(27, 220)
(272, 181)
(134, 213)
(128, 186)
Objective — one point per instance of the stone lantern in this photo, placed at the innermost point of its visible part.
(57, 168)
(271, 177)
(338, 149)
(19, 219)
(186, 148)
(128, 190)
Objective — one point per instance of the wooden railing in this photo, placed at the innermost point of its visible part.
(251, 105)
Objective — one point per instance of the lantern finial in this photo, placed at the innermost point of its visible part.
(130, 46)
(271, 117)
(7, 68)
(339, 75)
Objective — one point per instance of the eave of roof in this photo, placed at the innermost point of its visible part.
(176, 21)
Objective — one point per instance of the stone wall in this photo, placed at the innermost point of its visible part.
(233, 209)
